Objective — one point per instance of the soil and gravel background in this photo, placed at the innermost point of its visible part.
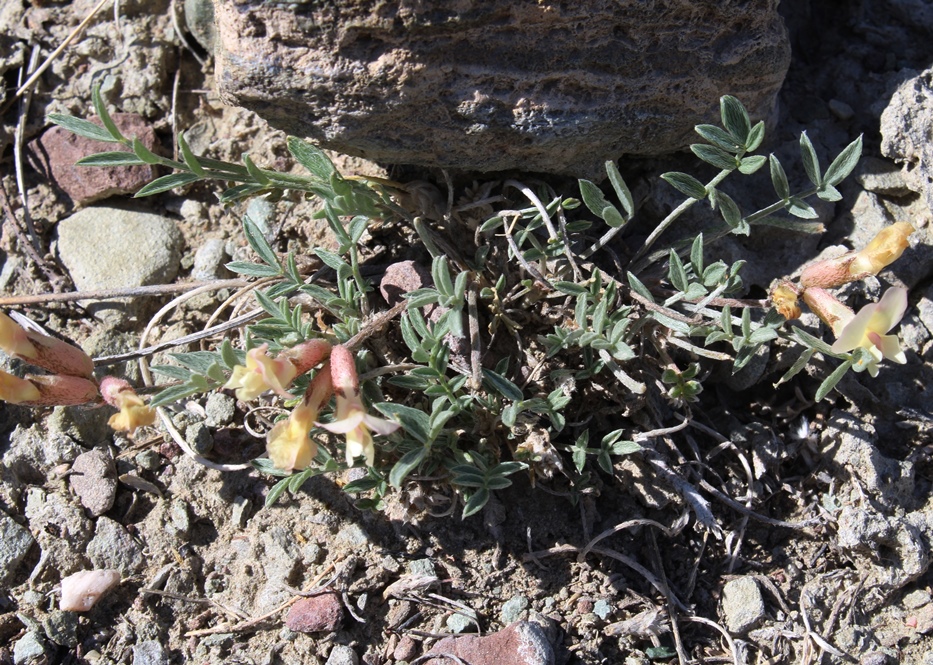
(824, 510)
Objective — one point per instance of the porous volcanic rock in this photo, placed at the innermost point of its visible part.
(539, 86)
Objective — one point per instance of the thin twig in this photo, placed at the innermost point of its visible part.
(476, 342)
(112, 294)
(531, 270)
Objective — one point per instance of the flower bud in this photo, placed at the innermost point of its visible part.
(43, 351)
(62, 390)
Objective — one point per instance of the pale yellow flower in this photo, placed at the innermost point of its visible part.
(288, 443)
(350, 417)
(868, 329)
(133, 410)
(16, 390)
(261, 373)
(784, 298)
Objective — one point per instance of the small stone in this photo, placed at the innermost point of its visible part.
(602, 609)
(193, 212)
(199, 437)
(841, 110)
(181, 518)
(150, 652)
(401, 278)
(220, 409)
(406, 649)
(149, 460)
(113, 547)
(460, 623)
(512, 609)
(742, 604)
(916, 599)
(315, 614)
(390, 564)
(240, 512)
(260, 212)
(342, 655)
(29, 648)
(882, 176)
(61, 628)
(210, 260)
(925, 619)
(107, 247)
(57, 150)
(421, 567)
(199, 19)
(522, 643)
(94, 480)
(15, 541)
(354, 536)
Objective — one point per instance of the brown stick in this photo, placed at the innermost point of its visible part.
(110, 294)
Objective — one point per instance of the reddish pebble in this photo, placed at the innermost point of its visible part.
(522, 643)
(57, 150)
(323, 613)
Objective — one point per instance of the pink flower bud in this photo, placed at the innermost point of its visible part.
(832, 312)
(62, 390)
(43, 351)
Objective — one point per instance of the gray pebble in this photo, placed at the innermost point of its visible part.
(181, 519)
(210, 260)
(149, 653)
(353, 535)
(512, 609)
(94, 242)
(62, 628)
(458, 623)
(742, 604)
(94, 480)
(15, 541)
(149, 460)
(240, 512)
(29, 648)
(199, 437)
(342, 655)
(113, 547)
(260, 211)
(220, 409)
(421, 567)
(602, 609)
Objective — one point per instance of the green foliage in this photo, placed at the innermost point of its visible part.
(527, 288)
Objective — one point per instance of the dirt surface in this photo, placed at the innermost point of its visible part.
(822, 513)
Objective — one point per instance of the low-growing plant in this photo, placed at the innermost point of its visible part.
(535, 346)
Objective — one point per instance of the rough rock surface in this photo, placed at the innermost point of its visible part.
(105, 247)
(905, 131)
(58, 149)
(15, 541)
(553, 87)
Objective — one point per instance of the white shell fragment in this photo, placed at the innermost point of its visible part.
(81, 591)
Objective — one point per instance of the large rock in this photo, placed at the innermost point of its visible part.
(547, 86)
